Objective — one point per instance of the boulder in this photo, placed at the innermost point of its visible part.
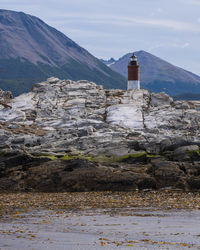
(186, 153)
(160, 99)
(194, 183)
(52, 80)
(166, 173)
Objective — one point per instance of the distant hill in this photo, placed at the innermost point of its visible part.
(158, 75)
(31, 51)
(187, 96)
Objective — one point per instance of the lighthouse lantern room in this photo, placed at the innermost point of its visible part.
(133, 73)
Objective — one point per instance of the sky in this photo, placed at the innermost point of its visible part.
(169, 29)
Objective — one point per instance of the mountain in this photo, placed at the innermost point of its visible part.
(109, 62)
(157, 74)
(31, 51)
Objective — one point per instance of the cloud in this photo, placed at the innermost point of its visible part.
(191, 2)
(87, 16)
(131, 21)
(168, 45)
(185, 45)
(87, 33)
(168, 23)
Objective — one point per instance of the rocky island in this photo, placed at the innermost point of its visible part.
(77, 136)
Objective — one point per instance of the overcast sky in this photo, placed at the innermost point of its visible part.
(169, 29)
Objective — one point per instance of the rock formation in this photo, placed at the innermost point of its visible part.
(66, 135)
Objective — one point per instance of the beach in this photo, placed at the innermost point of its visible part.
(100, 220)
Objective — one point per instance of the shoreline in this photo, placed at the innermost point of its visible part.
(94, 220)
(16, 203)
(101, 225)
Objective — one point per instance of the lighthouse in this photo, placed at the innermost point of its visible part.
(133, 73)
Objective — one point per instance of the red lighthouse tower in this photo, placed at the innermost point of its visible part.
(133, 73)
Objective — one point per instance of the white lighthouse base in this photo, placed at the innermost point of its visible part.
(133, 85)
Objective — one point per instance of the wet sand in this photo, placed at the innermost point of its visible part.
(101, 226)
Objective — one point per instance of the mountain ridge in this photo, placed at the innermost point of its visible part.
(32, 51)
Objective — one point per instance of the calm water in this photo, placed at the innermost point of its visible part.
(101, 229)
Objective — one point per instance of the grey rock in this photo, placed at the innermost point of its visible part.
(18, 140)
(52, 80)
(13, 126)
(185, 149)
(59, 117)
(160, 99)
(194, 183)
(183, 105)
(186, 153)
(167, 173)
